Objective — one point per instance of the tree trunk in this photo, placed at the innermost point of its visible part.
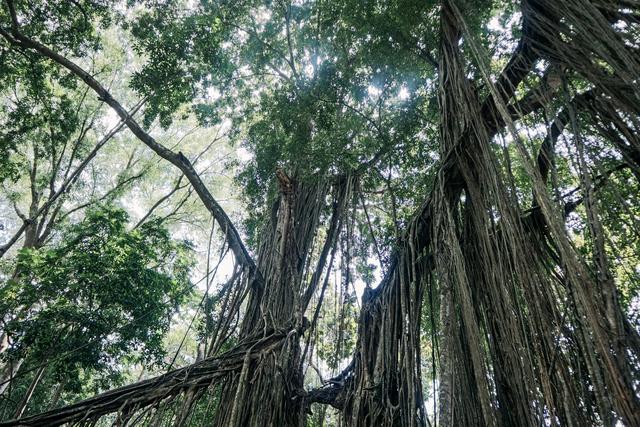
(9, 373)
(57, 394)
(27, 397)
(4, 341)
(267, 389)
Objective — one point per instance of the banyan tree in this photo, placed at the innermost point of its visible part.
(484, 154)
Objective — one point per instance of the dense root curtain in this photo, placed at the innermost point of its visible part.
(531, 333)
(265, 390)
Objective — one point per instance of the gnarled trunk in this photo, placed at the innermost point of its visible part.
(266, 391)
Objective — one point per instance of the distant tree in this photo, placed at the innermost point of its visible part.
(101, 296)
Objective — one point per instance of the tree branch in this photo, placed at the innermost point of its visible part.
(519, 65)
(177, 159)
(144, 393)
(64, 187)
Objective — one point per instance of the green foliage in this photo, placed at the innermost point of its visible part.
(101, 296)
(347, 89)
(318, 89)
(337, 336)
(42, 119)
(69, 25)
(183, 51)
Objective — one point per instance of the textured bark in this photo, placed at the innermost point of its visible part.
(266, 391)
(148, 392)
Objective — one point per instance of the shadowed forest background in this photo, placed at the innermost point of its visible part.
(320, 212)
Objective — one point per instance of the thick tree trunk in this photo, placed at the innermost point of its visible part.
(266, 391)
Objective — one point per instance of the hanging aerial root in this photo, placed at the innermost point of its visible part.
(155, 390)
(502, 353)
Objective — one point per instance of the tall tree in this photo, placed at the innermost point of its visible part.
(482, 154)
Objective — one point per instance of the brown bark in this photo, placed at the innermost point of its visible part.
(267, 391)
(509, 289)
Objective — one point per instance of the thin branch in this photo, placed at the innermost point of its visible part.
(64, 187)
(160, 201)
